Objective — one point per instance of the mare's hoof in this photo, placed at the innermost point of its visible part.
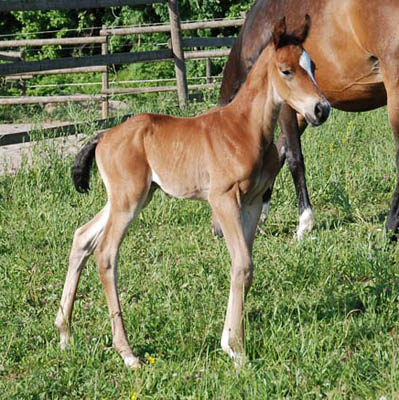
(392, 227)
(392, 235)
(305, 224)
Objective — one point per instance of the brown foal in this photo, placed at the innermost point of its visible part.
(225, 156)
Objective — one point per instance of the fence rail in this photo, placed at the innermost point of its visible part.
(86, 61)
(52, 42)
(44, 5)
(66, 71)
(224, 23)
(177, 51)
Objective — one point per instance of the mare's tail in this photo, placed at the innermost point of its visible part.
(83, 163)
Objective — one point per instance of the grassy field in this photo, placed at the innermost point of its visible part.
(321, 318)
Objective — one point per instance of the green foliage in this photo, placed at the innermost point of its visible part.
(193, 10)
(321, 318)
(236, 10)
(33, 22)
(72, 23)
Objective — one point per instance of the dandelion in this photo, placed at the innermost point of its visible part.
(151, 360)
(133, 396)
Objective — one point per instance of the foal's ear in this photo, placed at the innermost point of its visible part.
(302, 32)
(280, 29)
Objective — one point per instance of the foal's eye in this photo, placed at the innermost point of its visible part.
(286, 72)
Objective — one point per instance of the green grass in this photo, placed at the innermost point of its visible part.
(321, 318)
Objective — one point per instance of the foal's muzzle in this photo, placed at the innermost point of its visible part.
(320, 113)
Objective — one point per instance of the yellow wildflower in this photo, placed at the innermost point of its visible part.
(134, 396)
(151, 359)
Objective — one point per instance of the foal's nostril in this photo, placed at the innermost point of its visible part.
(318, 110)
(322, 111)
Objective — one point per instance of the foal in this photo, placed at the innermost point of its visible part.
(225, 156)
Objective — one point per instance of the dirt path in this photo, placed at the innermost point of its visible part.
(12, 156)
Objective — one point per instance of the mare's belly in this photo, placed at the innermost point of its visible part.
(347, 66)
(358, 97)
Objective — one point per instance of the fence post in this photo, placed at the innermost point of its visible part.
(208, 70)
(105, 80)
(178, 54)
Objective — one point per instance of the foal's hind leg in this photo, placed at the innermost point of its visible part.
(84, 242)
(121, 215)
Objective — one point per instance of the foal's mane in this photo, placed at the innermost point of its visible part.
(288, 39)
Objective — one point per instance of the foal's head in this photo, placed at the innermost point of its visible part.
(292, 74)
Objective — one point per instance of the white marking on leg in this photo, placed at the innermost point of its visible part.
(132, 362)
(225, 343)
(238, 358)
(64, 340)
(305, 223)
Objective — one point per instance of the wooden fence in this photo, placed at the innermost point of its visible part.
(99, 63)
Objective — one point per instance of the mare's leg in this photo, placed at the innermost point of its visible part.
(392, 88)
(85, 241)
(289, 147)
(227, 211)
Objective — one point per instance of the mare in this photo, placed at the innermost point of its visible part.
(225, 156)
(354, 45)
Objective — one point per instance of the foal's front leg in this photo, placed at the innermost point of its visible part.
(229, 215)
(85, 241)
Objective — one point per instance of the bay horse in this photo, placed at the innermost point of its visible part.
(225, 156)
(354, 45)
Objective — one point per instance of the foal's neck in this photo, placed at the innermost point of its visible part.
(256, 99)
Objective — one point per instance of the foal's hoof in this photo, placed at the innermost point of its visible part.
(132, 362)
(238, 360)
(237, 356)
(217, 230)
(64, 338)
(64, 343)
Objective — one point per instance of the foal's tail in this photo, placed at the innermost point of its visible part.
(83, 163)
